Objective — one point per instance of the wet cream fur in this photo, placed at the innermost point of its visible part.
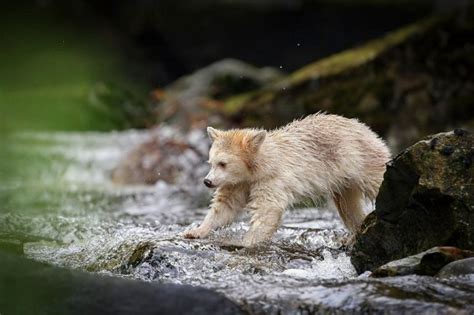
(265, 172)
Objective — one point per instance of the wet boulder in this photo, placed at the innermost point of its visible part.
(426, 200)
(426, 263)
(457, 268)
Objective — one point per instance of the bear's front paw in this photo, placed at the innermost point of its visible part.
(252, 239)
(196, 233)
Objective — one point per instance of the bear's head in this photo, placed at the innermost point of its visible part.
(233, 155)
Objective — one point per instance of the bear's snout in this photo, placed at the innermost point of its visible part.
(208, 183)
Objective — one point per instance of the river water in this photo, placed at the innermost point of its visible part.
(59, 206)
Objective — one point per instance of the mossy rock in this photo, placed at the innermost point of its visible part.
(413, 82)
(426, 200)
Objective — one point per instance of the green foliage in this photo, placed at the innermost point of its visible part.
(49, 71)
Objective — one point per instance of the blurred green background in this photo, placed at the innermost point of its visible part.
(56, 70)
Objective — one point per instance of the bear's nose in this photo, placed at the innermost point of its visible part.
(208, 183)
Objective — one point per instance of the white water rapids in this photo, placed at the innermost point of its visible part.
(62, 208)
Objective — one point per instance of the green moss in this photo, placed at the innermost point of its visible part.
(233, 104)
(355, 57)
(341, 64)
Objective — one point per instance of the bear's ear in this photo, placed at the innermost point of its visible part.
(257, 139)
(213, 133)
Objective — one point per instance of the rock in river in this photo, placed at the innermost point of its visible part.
(426, 200)
(28, 287)
(457, 268)
(426, 263)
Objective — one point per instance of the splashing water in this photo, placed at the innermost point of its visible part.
(61, 208)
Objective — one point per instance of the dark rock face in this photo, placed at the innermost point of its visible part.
(426, 263)
(28, 287)
(426, 200)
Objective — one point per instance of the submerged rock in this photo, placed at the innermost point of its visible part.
(426, 263)
(457, 268)
(426, 200)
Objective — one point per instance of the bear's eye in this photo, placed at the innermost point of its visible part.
(221, 164)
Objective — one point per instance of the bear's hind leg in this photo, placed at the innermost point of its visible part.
(349, 205)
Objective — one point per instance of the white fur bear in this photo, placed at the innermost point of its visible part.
(267, 171)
